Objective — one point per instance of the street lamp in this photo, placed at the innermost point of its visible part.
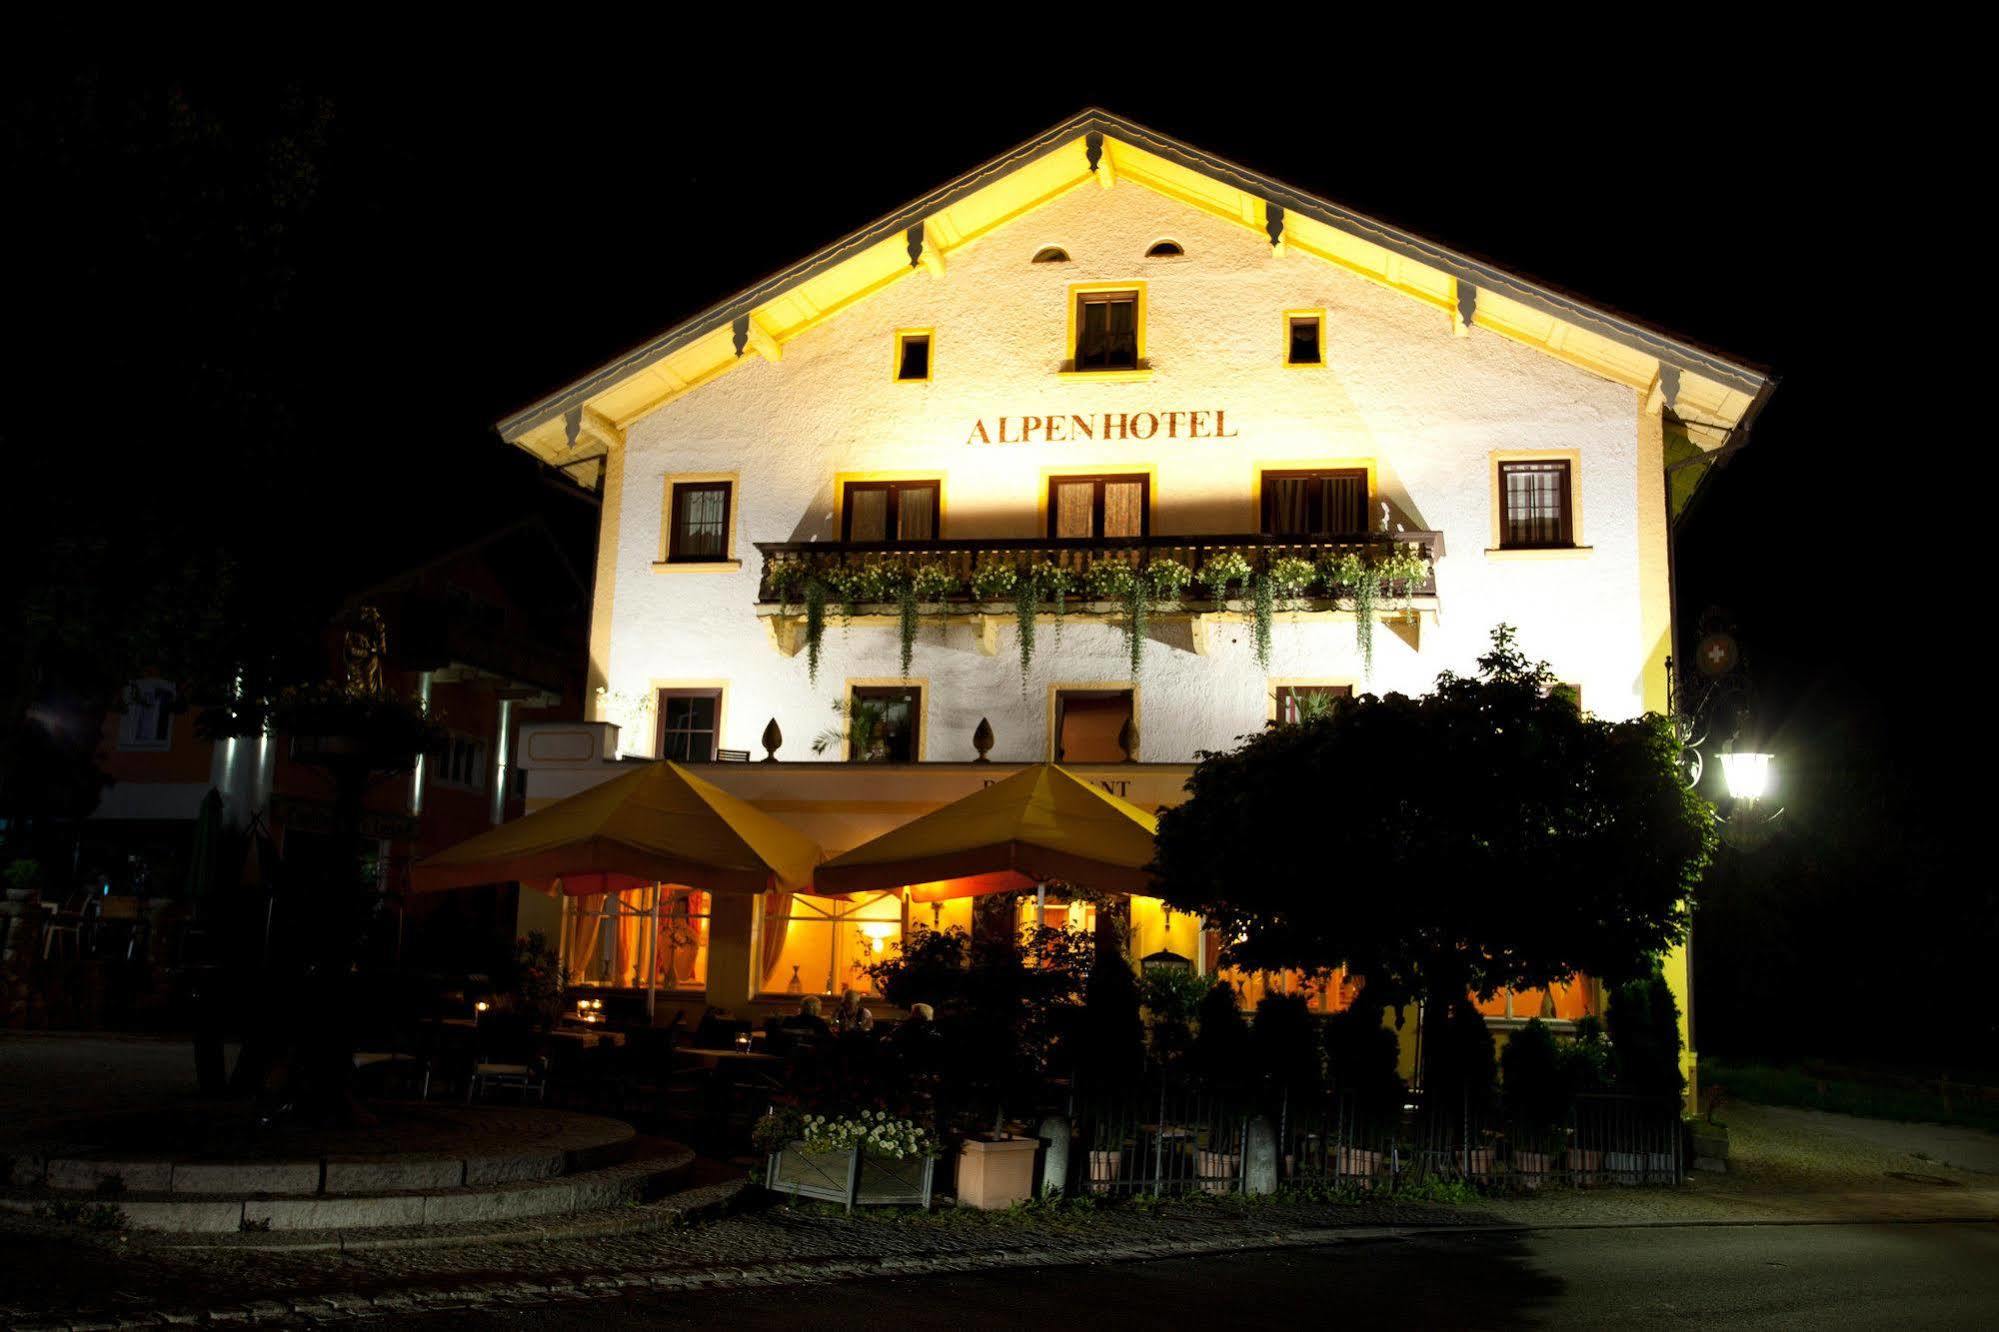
(1746, 774)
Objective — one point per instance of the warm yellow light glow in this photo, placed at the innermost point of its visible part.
(481, 1006)
(1747, 775)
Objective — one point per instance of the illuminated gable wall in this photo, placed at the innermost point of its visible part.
(1426, 409)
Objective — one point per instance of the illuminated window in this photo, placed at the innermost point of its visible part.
(148, 722)
(1535, 508)
(688, 724)
(822, 945)
(883, 723)
(892, 510)
(1324, 502)
(1305, 339)
(1297, 703)
(1088, 723)
(1099, 507)
(1165, 250)
(700, 522)
(1107, 330)
(1053, 254)
(912, 357)
(604, 939)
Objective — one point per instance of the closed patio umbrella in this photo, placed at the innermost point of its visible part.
(1040, 824)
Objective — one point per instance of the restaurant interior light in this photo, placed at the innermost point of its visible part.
(1747, 775)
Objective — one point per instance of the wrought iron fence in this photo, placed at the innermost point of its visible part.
(1158, 1141)
(1162, 1140)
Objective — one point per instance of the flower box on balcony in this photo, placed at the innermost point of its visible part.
(852, 1178)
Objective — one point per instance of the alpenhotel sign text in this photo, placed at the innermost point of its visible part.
(1108, 427)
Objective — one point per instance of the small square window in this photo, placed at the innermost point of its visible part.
(1090, 725)
(1107, 330)
(1303, 703)
(700, 522)
(912, 357)
(883, 724)
(688, 724)
(1305, 344)
(1535, 507)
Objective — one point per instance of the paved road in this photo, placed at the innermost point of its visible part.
(1902, 1276)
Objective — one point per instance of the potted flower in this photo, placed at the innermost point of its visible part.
(857, 1158)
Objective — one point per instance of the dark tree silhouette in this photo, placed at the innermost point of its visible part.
(1485, 835)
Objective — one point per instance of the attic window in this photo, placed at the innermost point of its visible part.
(1165, 250)
(1053, 254)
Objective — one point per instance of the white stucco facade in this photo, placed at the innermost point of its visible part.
(1401, 392)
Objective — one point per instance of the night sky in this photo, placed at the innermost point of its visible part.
(479, 235)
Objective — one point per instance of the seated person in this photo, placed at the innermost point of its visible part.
(806, 1021)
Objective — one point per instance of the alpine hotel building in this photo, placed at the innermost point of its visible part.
(1104, 347)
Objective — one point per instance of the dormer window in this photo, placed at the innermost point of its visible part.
(1051, 254)
(1165, 250)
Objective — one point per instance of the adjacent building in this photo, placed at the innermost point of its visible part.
(1103, 348)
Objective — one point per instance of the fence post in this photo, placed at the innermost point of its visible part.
(1159, 1144)
(1259, 1157)
(1054, 1135)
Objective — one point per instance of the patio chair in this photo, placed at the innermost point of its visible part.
(67, 924)
(507, 1055)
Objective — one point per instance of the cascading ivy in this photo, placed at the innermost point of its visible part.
(1263, 601)
(1026, 602)
(906, 620)
(815, 625)
(1137, 605)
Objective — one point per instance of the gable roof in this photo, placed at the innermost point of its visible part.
(1712, 394)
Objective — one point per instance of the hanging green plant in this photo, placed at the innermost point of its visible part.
(1357, 579)
(905, 623)
(1137, 604)
(1026, 602)
(1220, 571)
(815, 625)
(1263, 601)
(1168, 578)
(1055, 583)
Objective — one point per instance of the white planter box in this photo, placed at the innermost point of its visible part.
(851, 1178)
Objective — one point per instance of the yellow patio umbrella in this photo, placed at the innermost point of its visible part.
(657, 824)
(1040, 824)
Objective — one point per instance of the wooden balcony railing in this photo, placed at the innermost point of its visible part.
(961, 559)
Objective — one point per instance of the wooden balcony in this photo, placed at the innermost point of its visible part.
(780, 599)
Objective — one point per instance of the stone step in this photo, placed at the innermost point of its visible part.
(582, 1142)
(652, 1167)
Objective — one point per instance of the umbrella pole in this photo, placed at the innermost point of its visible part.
(652, 965)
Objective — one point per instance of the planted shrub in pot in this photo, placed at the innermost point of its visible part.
(1361, 1058)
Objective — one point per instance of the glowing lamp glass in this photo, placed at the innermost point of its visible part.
(1747, 775)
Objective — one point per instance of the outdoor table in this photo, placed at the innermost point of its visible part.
(585, 1038)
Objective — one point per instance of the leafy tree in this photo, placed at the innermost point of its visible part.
(1482, 836)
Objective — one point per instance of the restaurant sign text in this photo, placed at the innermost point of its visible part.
(1109, 427)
